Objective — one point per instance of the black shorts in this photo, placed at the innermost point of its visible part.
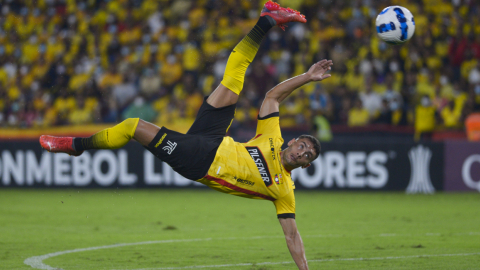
(192, 154)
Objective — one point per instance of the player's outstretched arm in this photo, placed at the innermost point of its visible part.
(294, 242)
(275, 96)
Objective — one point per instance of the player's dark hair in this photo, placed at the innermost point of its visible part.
(315, 142)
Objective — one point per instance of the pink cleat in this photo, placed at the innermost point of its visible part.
(58, 145)
(282, 15)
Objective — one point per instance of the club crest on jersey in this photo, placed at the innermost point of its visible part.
(262, 166)
(278, 179)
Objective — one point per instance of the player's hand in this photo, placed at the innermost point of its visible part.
(317, 70)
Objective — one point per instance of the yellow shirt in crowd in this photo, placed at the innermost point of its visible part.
(358, 117)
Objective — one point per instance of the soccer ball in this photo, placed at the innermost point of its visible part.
(395, 25)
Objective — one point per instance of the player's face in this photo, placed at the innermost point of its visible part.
(299, 153)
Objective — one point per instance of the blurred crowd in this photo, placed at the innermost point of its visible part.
(79, 62)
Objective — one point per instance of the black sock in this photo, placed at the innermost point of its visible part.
(260, 29)
(266, 22)
(78, 144)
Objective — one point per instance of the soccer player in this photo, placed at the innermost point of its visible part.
(257, 169)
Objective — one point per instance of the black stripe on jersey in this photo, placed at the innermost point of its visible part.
(262, 165)
(288, 215)
(275, 114)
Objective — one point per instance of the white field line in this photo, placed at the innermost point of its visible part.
(310, 261)
(37, 261)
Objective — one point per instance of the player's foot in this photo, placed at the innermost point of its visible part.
(58, 145)
(282, 15)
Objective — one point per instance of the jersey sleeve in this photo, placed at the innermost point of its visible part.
(285, 206)
(269, 124)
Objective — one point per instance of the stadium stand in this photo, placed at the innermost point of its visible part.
(92, 62)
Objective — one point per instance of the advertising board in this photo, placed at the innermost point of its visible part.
(462, 166)
(341, 166)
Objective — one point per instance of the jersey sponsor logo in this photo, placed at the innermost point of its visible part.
(272, 148)
(243, 181)
(161, 140)
(262, 166)
(170, 147)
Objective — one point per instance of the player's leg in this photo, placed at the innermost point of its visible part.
(190, 155)
(110, 138)
(243, 54)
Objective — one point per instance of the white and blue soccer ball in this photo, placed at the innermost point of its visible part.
(395, 25)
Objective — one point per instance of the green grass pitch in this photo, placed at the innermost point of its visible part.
(219, 231)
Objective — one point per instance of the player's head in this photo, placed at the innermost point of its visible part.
(301, 151)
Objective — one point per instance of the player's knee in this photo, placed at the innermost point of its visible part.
(131, 125)
(131, 122)
(233, 84)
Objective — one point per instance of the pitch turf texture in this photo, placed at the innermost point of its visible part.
(219, 231)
